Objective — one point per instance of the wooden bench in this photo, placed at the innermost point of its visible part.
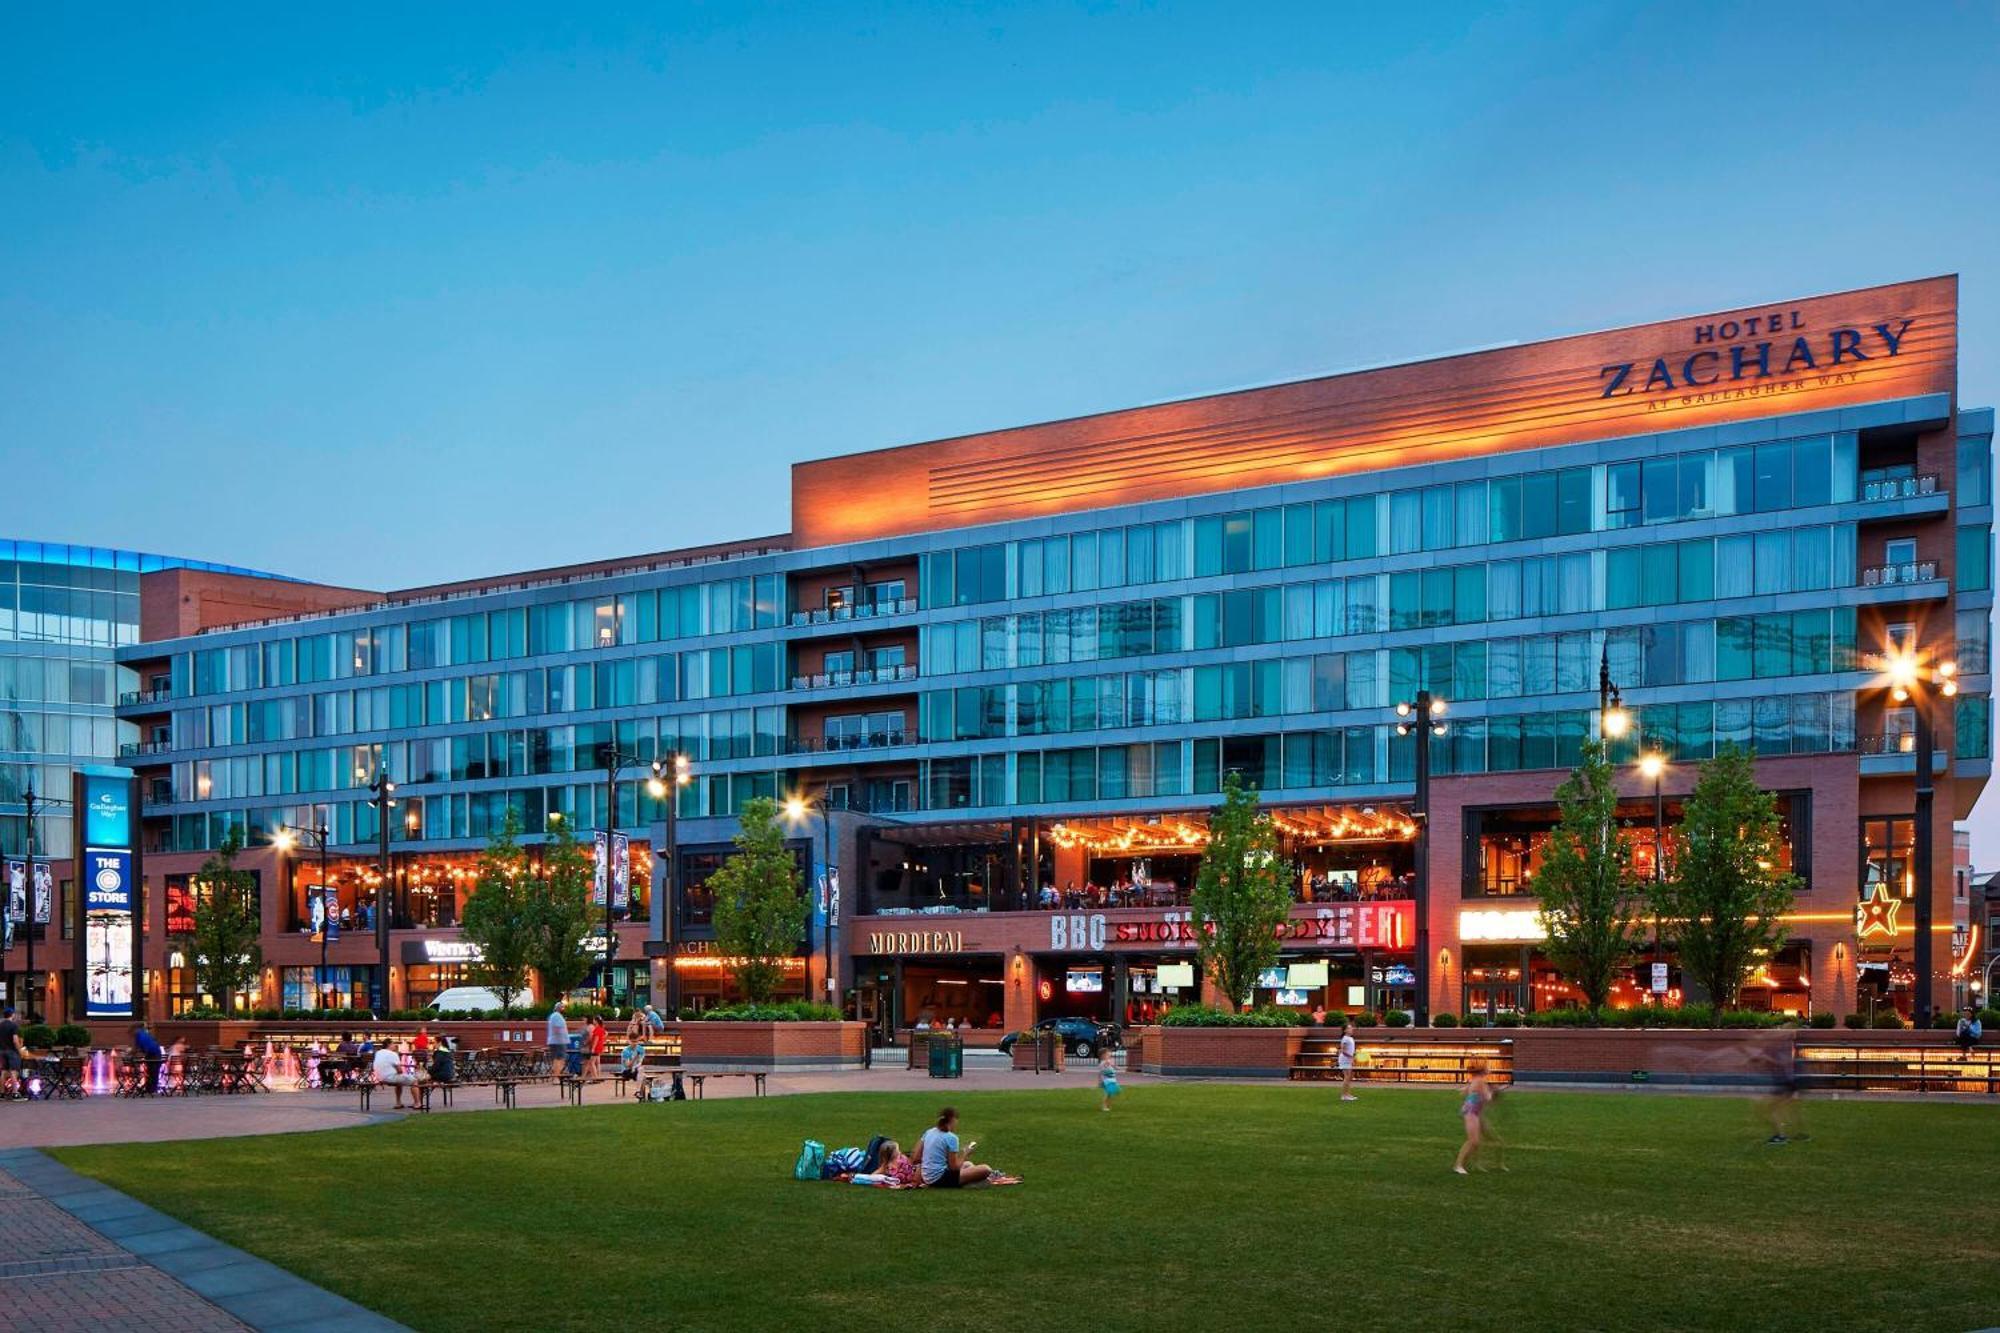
(572, 1085)
(696, 1079)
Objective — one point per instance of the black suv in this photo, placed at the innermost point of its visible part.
(1082, 1036)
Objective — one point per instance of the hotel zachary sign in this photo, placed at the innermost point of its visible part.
(1756, 354)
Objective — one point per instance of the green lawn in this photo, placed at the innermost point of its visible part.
(1188, 1206)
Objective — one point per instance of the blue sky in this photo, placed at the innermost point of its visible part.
(390, 296)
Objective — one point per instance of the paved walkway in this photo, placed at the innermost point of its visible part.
(83, 1257)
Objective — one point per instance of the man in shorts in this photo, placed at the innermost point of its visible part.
(557, 1038)
(1346, 1061)
(11, 1051)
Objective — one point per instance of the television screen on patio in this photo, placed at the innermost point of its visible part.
(1085, 981)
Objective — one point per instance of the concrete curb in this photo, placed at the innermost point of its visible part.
(260, 1294)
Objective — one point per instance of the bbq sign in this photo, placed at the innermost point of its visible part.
(1766, 352)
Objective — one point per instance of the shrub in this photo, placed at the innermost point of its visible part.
(797, 1011)
(1944, 1019)
(38, 1036)
(1989, 1019)
(72, 1034)
(1888, 1020)
(1397, 1018)
(1822, 1020)
(1208, 1016)
(1444, 1020)
(1854, 1021)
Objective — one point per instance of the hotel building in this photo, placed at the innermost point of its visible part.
(1009, 671)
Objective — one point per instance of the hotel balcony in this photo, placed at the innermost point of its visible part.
(841, 615)
(833, 680)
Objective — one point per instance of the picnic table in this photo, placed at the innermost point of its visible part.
(698, 1077)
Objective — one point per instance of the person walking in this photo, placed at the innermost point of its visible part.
(1107, 1077)
(1345, 1059)
(1472, 1113)
(595, 1037)
(557, 1037)
(152, 1054)
(12, 1052)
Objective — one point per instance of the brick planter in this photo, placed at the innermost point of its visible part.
(1035, 1054)
(1221, 1052)
(773, 1046)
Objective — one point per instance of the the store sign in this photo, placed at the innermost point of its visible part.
(107, 896)
(916, 941)
(107, 934)
(1501, 925)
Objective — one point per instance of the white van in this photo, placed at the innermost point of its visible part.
(478, 997)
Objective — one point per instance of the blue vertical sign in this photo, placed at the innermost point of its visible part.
(109, 899)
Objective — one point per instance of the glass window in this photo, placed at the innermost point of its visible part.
(1975, 470)
(1773, 476)
(1696, 576)
(1573, 496)
(1472, 513)
(1622, 507)
(1975, 559)
(1662, 490)
(1406, 522)
(1693, 501)
(1538, 505)
(1812, 471)
(1504, 509)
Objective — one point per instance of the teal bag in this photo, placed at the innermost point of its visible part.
(812, 1160)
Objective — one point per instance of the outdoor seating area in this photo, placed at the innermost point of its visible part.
(186, 1074)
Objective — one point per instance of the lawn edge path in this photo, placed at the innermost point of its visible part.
(255, 1291)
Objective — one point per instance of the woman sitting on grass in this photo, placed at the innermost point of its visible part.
(940, 1162)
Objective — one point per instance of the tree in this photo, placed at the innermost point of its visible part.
(1242, 894)
(499, 916)
(561, 914)
(1728, 894)
(1589, 896)
(760, 914)
(223, 944)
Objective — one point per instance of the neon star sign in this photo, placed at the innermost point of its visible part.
(1875, 915)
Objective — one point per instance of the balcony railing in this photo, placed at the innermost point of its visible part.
(870, 740)
(156, 696)
(829, 680)
(130, 748)
(1898, 488)
(1907, 571)
(901, 606)
(1894, 742)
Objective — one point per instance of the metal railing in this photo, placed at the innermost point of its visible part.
(1894, 742)
(872, 740)
(901, 606)
(1906, 571)
(1898, 488)
(144, 747)
(155, 696)
(827, 680)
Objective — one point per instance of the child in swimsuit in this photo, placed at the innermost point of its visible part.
(1472, 1113)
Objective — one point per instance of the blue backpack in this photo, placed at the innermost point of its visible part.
(812, 1160)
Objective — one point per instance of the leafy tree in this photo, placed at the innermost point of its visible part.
(1725, 902)
(1242, 894)
(760, 914)
(561, 915)
(499, 916)
(223, 944)
(1590, 898)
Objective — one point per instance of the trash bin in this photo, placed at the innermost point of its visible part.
(947, 1056)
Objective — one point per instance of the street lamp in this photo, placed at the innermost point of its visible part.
(1653, 764)
(1424, 718)
(32, 801)
(670, 772)
(1914, 682)
(1614, 720)
(796, 809)
(287, 838)
(383, 801)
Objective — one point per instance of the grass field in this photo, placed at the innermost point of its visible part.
(1189, 1206)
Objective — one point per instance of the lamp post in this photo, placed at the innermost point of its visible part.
(1422, 717)
(382, 800)
(796, 809)
(1913, 682)
(32, 800)
(670, 774)
(1613, 719)
(1654, 765)
(319, 837)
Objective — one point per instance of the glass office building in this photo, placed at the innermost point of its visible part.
(1017, 667)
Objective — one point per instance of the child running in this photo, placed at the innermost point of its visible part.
(1107, 1078)
(1472, 1111)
